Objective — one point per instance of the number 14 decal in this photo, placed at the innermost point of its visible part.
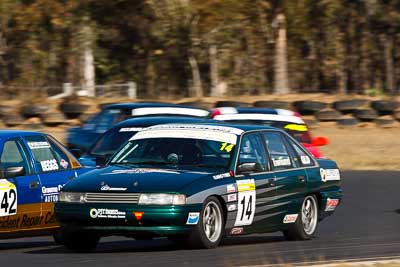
(246, 208)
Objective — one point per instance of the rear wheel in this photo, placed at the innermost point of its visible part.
(209, 229)
(306, 224)
(80, 241)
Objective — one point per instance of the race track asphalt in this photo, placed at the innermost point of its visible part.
(366, 225)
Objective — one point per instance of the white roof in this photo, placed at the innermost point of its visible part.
(170, 110)
(259, 116)
(192, 131)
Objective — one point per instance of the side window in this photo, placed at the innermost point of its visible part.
(305, 159)
(252, 150)
(278, 151)
(61, 157)
(42, 152)
(13, 156)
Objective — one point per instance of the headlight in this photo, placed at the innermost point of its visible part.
(72, 197)
(162, 199)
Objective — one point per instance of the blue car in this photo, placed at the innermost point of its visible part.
(83, 137)
(111, 140)
(33, 169)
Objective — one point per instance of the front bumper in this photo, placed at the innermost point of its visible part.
(155, 221)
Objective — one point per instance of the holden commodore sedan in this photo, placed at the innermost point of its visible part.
(198, 183)
(33, 168)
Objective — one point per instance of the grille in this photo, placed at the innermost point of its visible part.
(129, 198)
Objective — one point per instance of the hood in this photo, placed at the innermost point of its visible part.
(132, 180)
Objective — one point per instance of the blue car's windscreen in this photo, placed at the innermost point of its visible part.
(178, 152)
(108, 143)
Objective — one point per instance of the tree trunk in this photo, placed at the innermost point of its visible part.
(88, 62)
(341, 73)
(196, 90)
(281, 80)
(387, 42)
(214, 71)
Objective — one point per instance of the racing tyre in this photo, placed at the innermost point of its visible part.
(209, 229)
(80, 241)
(306, 223)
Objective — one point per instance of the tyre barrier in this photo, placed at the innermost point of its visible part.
(385, 121)
(309, 107)
(33, 110)
(53, 119)
(328, 115)
(237, 104)
(347, 122)
(348, 106)
(12, 120)
(396, 115)
(73, 110)
(365, 115)
(5, 110)
(384, 107)
(272, 104)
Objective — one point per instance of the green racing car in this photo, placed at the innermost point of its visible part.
(198, 183)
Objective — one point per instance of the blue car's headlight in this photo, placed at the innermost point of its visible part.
(162, 199)
(72, 197)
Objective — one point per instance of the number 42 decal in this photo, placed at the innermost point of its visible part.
(8, 198)
(246, 202)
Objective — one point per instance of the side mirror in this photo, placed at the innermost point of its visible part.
(249, 167)
(12, 172)
(76, 152)
(320, 141)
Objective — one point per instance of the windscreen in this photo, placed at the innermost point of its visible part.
(108, 143)
(175, 153)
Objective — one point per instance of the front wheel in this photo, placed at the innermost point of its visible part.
(208, 231)
(306, 224)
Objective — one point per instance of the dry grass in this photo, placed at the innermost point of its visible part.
(358, 148)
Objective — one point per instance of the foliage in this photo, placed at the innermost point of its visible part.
(346, 46)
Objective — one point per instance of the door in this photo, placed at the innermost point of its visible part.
(54, 169)
(255, 187)
(290, 177)
(20, 196)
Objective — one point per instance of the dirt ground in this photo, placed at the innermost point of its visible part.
(360, 148)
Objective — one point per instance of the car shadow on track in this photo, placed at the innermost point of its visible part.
(23, 245)
(158, 245)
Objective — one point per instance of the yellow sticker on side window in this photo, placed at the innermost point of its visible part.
(296, 127)
(227, 147)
